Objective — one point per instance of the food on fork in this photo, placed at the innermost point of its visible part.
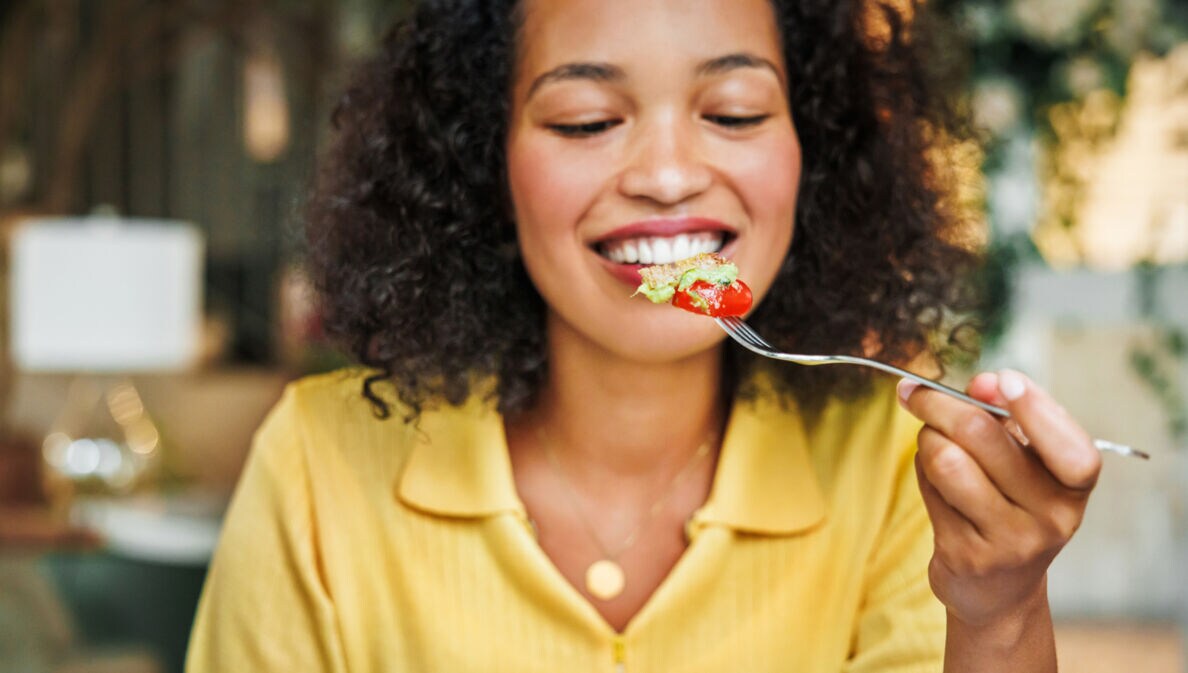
(706, 284)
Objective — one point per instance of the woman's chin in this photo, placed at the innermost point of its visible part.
(664, 334)
(630, 328)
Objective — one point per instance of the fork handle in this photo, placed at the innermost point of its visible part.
(1100, 444)
(935, 385)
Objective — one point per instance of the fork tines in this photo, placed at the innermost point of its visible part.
(743, 333)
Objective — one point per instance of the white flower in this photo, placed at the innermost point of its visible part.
(982, 21)
(1055, 23)
(1132, 21)
(997, 104)
(1084, 74)
(1013, 196)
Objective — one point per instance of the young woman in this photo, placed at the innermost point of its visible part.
(543, 473)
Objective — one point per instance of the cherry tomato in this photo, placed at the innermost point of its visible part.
(717, 301)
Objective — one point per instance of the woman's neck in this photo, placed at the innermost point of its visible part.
(616, 420)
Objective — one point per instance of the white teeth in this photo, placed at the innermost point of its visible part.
(681, 247)
(661, 250)
(712, 245)
(630, 253)
(645, 252)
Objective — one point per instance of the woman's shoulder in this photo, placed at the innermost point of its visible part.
(333, 394)
(326, 414)
(329, 413)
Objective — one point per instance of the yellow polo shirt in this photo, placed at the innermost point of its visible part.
(354, 544)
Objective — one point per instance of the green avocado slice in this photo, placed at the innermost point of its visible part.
(723, 273)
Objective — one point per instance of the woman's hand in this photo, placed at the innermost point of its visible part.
(1004, 498)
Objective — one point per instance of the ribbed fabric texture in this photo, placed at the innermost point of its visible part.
(360, 545)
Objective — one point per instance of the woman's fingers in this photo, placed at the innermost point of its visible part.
(1059, 441)
(984, 387)
(960, 482)
(1001, 508)
(943, 515)
(958, 542)
(1014, 470)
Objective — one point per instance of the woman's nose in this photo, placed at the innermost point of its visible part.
(666, 165)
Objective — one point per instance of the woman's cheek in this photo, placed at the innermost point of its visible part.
(775, 174)
(768, 181)
(548, 183)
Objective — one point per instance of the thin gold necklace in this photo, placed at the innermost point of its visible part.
(605, 578)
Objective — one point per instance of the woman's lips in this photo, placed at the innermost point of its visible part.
(666, 227)
(627, 249)
(627, 273)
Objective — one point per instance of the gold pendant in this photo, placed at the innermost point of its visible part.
(605, 579)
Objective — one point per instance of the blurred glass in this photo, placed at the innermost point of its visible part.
(103, 443)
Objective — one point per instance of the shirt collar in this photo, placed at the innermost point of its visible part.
(765, 482)
(459, 464)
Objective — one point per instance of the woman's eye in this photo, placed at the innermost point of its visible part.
(735, 122)
(585, 129)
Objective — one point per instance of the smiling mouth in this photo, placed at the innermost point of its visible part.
(661, 249)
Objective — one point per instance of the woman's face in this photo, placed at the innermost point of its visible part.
(645, 131)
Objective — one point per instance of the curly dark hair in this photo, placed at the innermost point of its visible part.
(412, 247)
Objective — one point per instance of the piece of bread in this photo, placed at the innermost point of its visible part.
(660, 275)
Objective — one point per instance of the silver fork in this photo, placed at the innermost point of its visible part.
(750, 339)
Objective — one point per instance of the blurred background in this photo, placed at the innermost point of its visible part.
(153, 156)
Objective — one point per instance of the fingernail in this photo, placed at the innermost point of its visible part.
(905, 389)
(1017, 432)
(1011, 384)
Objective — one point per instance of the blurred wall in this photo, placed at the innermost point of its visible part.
(1076, 333)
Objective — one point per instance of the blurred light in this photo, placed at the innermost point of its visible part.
(1084, 75)
(143, 437)
(1052, 23)
(53, 449)
(16, 174)
(266, 114)
(123, 477)
(997, 105)
(82, 458)
(124, 403)
(111, 459)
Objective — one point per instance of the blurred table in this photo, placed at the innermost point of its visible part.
(1109, 647)
(180, 529)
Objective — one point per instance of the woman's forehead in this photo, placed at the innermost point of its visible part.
(623, 32)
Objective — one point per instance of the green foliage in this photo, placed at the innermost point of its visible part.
(1037, 64)
(1003, 257)
(1047, 52)
(1158, 358)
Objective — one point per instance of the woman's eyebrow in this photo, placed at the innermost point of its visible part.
(742, 59)
(606, 72)
(598, 72)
